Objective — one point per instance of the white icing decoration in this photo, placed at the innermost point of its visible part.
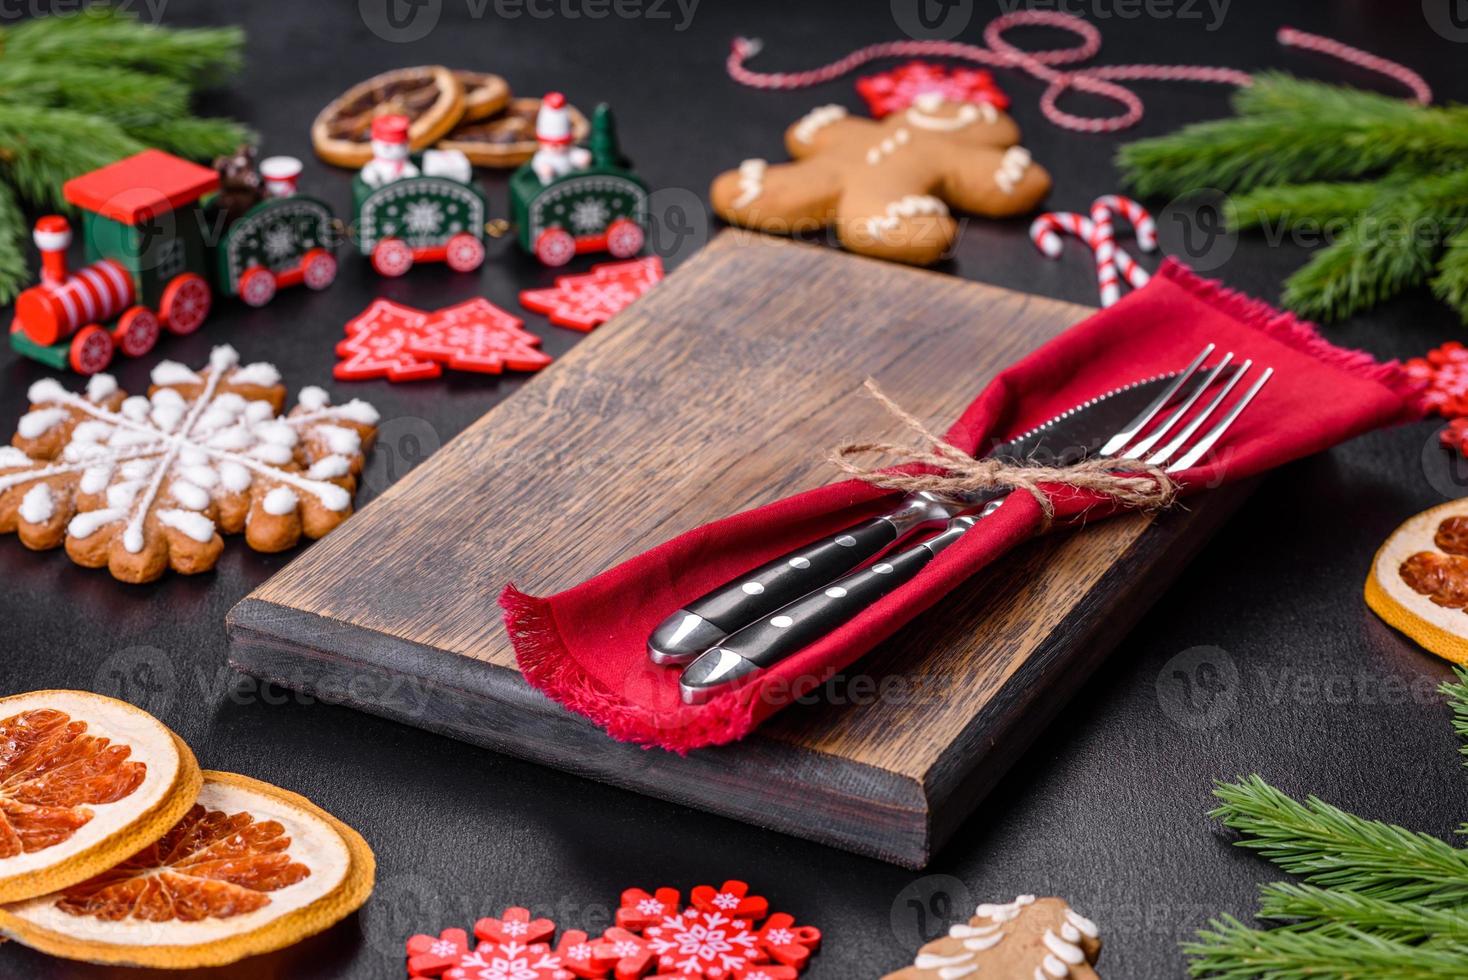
(276, 433)
(751, 182)
(86, 524)
(1054, 967)
(199, 474)
(37, 507)
(45, 392)
(35, 424)
(313, 397)
(234, 477)
(1070, 933)
(96, 478)
(329, 468)
(817, 119)
(100, 387)
(136, 408)
(260, 373)
(191, 496)
(90, 431)
(1005, 912)
(173, 373)
(190, 523)
(10, 456)
(273, 454)
(982, 942)
(121, 495)
(908, 207)
(1069, 952)
(962, 931)
(1085, 925)
(342, 441)
(947, 967)
(922, 117)
(888, 146)
(222, 357)
(358, 411)
(279, 501)
(1012, 168)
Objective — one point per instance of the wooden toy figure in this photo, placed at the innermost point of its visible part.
(568, 199)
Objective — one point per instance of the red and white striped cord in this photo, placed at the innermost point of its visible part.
(998, 53)
(1098, 232)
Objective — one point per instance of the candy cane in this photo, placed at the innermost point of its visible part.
(1045, 232)
(1136, 215)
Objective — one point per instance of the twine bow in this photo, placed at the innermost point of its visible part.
(1129, 482)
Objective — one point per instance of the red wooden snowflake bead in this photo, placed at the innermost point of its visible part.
(765, 971)
(510, 961)
(429, 956)
(787, 942)
(703, 944)
(585, 957)
(640, 910)
(515, 926)
(632, 954)
(732, 899)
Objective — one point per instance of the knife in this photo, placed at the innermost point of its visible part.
(705, 622)
(744, 652)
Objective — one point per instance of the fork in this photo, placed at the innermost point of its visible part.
(748, 651)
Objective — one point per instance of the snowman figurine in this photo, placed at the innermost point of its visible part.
(389, 152)
(556, 156)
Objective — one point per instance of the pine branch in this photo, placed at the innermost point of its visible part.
(1333, 849)
(1293, 205)
(127, 98)
(41, 149)
(1230, 950)
(13, 272)
(1280, 93)
(1451, 286)
(107, 38)
(1343, 913)
(196, 138)
(1382, 253)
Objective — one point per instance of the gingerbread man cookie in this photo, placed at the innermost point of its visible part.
(887, 186)
(1026, 939)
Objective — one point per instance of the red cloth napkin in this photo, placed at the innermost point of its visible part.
(586, 647)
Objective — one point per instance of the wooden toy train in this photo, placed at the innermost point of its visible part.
(162, 237)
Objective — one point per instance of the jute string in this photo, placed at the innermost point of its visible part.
(1129, 482)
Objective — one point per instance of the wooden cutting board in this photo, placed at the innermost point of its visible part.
(718, 391)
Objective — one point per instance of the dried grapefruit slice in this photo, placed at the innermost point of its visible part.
(84, 781)
(506, 138)
(250, 868)
(430, 96)
(1419, 580)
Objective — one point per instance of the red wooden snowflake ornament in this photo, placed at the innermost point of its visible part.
(640, 910)
(514, 926)
(787, 942)
(732, 899)
(632, 956)
(587, 301)
(703, 944)
(477, 336)
(430, 956)
(894, 90)
(376, 345)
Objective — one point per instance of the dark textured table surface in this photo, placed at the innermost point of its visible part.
(1261, 658)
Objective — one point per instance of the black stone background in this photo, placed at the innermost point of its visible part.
(1296, 680)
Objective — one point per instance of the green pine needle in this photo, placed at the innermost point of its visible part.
(1230, 950)
(12, 233)
(1320, 206)
(1279, 93)
(198, 138)
(106, 38)
(1333, 849)
(1307, 908)
(43, 148)
(1451, 286)
(124, 97)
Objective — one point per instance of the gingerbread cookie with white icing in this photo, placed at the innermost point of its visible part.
(1027, 939)
(887, 186)
(144, 484)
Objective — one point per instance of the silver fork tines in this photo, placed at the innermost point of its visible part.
(1122, 444)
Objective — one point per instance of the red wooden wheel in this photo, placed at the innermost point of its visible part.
(555, 246)
(318, 268)
(136, 331)
(257, 286)
(464, 253)
(625, 238)
(392, 257)
(185, 304)
(91, 350)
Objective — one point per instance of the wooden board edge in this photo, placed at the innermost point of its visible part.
(493, 707)
(955, 791)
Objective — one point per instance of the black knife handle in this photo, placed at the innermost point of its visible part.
(811, 617)
(775, 583)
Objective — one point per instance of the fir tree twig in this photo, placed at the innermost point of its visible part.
(12, 233)
(1333, 849)
(197, 138)
(1230, 950)
(43, 148)
(105, 37)
(1335, 912)
(116, 94)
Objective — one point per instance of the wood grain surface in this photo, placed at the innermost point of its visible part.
(717, 392)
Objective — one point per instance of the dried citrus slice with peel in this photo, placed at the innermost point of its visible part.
(85, 780)
(430, 96)
(1419, 580)
(484, 93)
(507, 138)
(250, 868)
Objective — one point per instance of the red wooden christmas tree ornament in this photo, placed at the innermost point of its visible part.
(377, 342)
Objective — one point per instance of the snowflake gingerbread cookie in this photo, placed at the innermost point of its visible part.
(887, 186)
(1026, 939)
(144, 484)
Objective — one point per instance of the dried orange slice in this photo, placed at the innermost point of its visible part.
(1419, 580)
(506, 139)
(84, 781)
(250, 868)
(484, 94)
(430, 96)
